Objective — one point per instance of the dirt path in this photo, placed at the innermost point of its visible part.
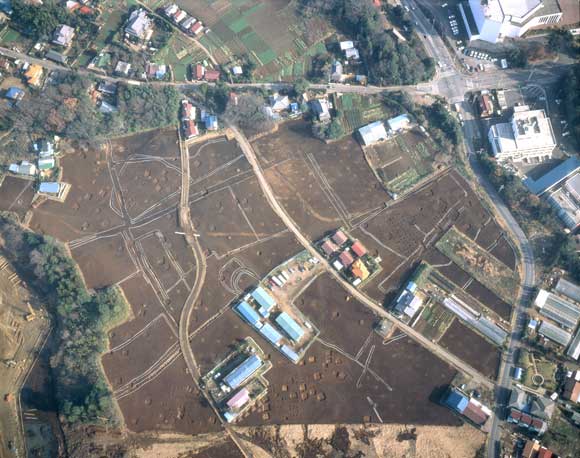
(377, 308)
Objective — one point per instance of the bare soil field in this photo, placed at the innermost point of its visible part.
(134, 356)
(339, 168)
(160, 259)
(148, 185)
(169, 402)
(144, 305)
(489, 234)
(489, 299)
(16, 195)
(342, 319)
(88, 207)
(225, 450)
(104, 261)
(505, 253)
(472, 348)
(447, 267)
(162, 143)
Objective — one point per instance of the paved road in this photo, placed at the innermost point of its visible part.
(503, 384)
(365, 300)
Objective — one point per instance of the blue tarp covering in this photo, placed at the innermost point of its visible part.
(263, 298)
(553, 177)
(270, 334)
(14, 93)
(247, 312)
(289, 326)
(244, 371)
(457, 401)
(50, 188)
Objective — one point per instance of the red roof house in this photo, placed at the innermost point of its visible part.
(189, 128)
(199, 71)
(358, 249)
(346, 258)
(339, 238)
(212, 75)
(328, 247)
(196, 28)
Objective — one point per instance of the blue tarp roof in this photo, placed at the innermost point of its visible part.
(241, 373)
(6, 6)
(14, 93)
(289, 326)
(247, 312)
(289, 353)
(553, 177)
(263, 298)
(49, 187)
(394, 123)
(457, 401)
(270, 334)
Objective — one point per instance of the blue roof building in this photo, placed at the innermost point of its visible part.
(211, 122)
(6, 6)
(49, 187)
(243, 372)
(263, 298)
(271, 334)
(553, 177)
(290, 354)
(456, 401)
(14, 93)
(289, 326)
(248, 313)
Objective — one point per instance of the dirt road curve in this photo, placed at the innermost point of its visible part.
(200, 271)
(378, 309)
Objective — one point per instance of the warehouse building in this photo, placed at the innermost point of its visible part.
(243, 372)
(249, 314)
(264, 300)
(527, 136)
(468, 407)
(239, 399)
(358, 249)
(554, 177)
(289, 326)
(373, 133)
(271, 335)
(568, 289)
(554, 333)
(574, 348)
(566, 202)
(558, 309)
(289, 353)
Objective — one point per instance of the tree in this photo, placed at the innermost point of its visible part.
(249, 114)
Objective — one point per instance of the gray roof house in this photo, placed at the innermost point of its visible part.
(63, 35)
(139, 25)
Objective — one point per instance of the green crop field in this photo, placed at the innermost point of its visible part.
(480, 264)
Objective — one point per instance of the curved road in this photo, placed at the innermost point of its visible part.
(526, 290)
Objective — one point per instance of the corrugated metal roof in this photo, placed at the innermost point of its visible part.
(346, 258)
(49, 187)
(456, 401)
(244, 371)
(568, 289)
(339, 237)
(553, 177)
(358, 248)
(560, 310)
(554, 333)
(247, 312)
(289, 353)
(574, 349)
(270, 334)
(289, 326)
(239, 399)
(263, 298)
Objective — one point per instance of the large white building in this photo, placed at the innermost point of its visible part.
(494, 20)
(528, 136)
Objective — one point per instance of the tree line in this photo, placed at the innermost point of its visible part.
(81, 321)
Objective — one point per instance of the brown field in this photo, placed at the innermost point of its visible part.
(488, 234)
(87, 208)
(169, 402)
(472, 348)
(133, 357)
(16, 195)
(157, 143)
(489, 299)
(228, 449)
(505, 253)
(104, 261)
(160, 260)
(447, 267)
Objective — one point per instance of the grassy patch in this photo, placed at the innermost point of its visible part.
(480, 264)
(545, 368)
(434, 321)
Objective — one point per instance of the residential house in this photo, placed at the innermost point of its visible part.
(212, 75)
(63, 35)
(107, 88)
(279, 103)
(140, 25)
(373, 133)
(572, 390)
(44, 148)
(33, 75)
(15, 94)
(188, 111)
(336, 72)
(211, 122)
(237, 70)
(170, 10)
(56, 56)
(199, 72)
(399, 123)
(156, 71)
(187, 23)
(189, 128)
(322, 109)
(24, 168)
(179, 16)
(122, 68)
(107, 108)
(197, 28)
(47, 163)
(530, 411)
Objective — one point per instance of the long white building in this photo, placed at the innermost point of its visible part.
(527, 136)
(494, 20)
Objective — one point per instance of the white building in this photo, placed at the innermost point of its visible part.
(566, 202)
(140, 25)
(373, 133)
(399, 123)
(528, 136)
(494, 20)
